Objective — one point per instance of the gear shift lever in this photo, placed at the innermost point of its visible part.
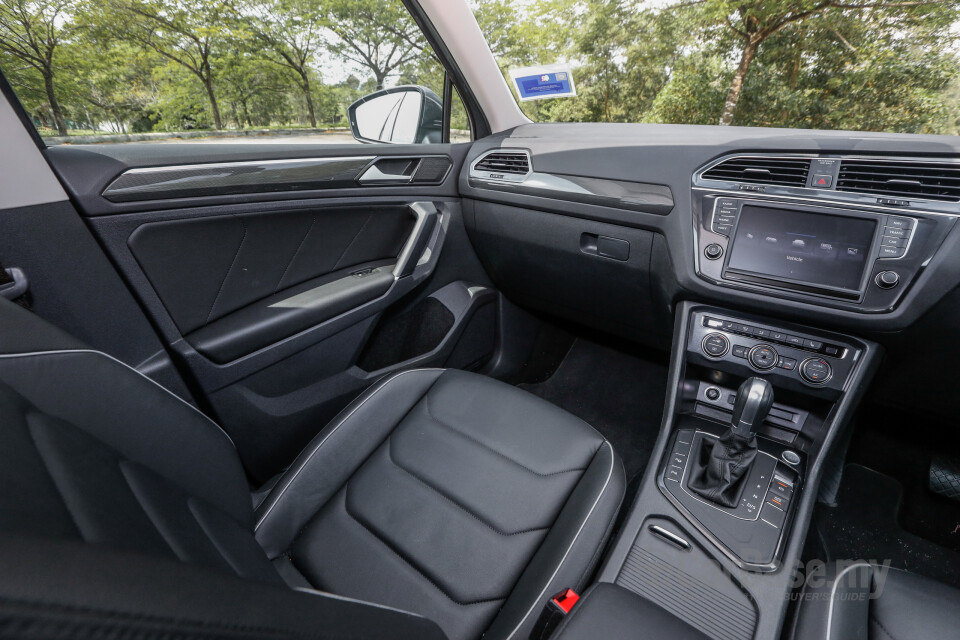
(720, 466)
(754, 399)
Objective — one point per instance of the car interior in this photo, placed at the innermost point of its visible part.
(576, 381)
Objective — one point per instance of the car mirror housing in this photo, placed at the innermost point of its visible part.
(406, 114)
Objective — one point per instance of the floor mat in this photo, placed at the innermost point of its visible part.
(865, 525)
(619, 394)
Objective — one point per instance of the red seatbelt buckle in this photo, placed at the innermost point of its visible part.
(565, 600)
(553, 613)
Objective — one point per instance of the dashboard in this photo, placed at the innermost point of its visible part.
(609, 225)
(707, 193)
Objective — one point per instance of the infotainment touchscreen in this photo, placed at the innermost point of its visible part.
(819, 249)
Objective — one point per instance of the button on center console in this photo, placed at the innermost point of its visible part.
(787, 356)
(763, 356)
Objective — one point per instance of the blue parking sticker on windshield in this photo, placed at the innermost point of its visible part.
(537, 83)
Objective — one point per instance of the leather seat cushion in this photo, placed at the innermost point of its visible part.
(866, 602)
(446, 513)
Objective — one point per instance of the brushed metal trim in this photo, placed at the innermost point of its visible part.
(622, 194)
(230, 178)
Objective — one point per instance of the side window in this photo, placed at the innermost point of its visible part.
(224, 70)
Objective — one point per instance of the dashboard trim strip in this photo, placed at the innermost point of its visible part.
(865, 208)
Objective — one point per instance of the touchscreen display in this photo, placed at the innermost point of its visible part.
(812, 248)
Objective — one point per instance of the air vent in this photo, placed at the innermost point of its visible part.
(787, 172)
(512, 162)
(924, 180)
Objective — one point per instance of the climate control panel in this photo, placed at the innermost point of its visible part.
(804, 359)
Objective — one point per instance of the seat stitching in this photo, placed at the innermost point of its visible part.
(882, 628)
(450, 427)
(280, 491)
(243, 239)
(606, 535)
(454, 502)
(576, 537)
(296, 253)
(409, 563)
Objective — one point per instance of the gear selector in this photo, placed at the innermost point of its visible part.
(720, 466)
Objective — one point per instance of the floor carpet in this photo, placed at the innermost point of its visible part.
(620, 394)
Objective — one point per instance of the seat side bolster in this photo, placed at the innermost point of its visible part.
(325, 465)
(571, 549)
(835, 607)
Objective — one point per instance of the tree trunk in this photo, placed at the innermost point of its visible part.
(380, 76)
(208, 83)
(736, 87)
(306, 93)
(58, 120)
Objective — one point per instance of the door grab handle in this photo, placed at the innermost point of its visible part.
(16, 286)
(421, 236)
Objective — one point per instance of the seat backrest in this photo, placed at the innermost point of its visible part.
(91, 449)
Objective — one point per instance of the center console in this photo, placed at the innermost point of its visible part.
(754, 406)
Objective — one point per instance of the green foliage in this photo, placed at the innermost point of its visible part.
(174, 65)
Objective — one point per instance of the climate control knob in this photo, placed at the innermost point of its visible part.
(763, 356)
(816, 370)
(715, 345)
(887, 279)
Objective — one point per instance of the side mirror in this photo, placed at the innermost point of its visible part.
(399, 115)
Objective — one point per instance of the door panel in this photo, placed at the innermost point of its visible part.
(205, 268)
(267, 299)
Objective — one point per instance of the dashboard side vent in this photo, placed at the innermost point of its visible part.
(512, 162)
(788, 172)
(925, 180)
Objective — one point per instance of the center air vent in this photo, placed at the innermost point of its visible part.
(788, 172)
(925, 180)
(512, 162)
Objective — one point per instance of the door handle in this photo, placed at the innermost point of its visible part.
(14, 285)
(420, 238)
(389, 171)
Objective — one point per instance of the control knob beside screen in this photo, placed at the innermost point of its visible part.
(887, 279)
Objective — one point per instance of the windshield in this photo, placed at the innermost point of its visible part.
(813, 64)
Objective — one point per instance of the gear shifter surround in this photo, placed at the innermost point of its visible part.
(720, 466)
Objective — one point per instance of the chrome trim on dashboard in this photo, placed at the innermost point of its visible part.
(622, 194)
(824, 202)
(496, 176)
(857, 198)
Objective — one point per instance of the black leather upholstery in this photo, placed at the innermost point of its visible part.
(69, 590)
(450, 495)
(442, 493)
(612, 613)
(865, 602)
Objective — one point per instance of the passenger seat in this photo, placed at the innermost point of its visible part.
(861, 602)
(438, 492)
